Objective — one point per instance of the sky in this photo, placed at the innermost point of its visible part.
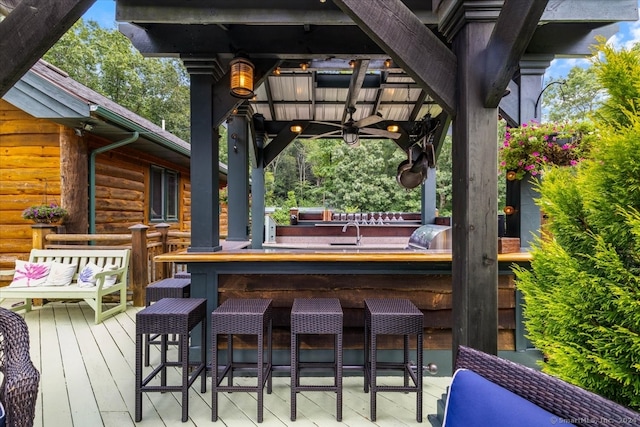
(103, 12)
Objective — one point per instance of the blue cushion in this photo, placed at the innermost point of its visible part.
(2, 415)
(476, 401)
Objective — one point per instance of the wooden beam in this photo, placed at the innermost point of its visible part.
(272, 12)
(569, 39)
(409, 43)
(357, 79)
(511, 34)
(510, 105)
(264, 41)
(280, 142)
(30, 30)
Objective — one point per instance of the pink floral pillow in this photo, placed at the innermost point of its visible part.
(30, 274)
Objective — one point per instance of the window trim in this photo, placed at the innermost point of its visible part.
(165, 175)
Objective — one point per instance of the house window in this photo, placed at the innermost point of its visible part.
(164, 195)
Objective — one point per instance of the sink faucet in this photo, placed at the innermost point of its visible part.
(355, 224)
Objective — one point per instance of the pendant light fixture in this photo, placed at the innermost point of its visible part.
(241, 77)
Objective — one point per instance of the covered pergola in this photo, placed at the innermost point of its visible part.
(456, 63)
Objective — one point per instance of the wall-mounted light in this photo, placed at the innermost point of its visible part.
(304, 66)
(276, 71)
(393, 128)
(295, 128)
(509, 210)
(387, 63)
(241, 77)
(352, 63)
(511, 175)
(350, 135)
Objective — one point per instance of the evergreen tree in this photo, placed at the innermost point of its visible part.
(582, 293)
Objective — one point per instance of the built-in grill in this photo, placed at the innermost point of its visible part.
(431, 236)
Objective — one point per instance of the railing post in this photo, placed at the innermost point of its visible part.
(39, 232)
(139, 263)
(163, 228)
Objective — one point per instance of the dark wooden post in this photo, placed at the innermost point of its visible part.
(475, 196)
(257, 185)
(39, 232)
(205, 230)
(139, 270)
(165, 269)
(238, 175)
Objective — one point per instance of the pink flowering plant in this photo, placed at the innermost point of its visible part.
(535, 146)
(45, 213)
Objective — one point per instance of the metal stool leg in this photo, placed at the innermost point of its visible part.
(294, 374)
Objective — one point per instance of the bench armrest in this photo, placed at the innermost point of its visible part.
(101, 277)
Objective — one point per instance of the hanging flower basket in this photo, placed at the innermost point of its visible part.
(45, 214)
(532, 147)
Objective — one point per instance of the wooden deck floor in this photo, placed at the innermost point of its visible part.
(87, 379)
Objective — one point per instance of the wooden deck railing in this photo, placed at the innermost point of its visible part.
(144, 245)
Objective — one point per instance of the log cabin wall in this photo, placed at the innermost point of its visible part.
(123, 189)
(29, 175)
(40, 159)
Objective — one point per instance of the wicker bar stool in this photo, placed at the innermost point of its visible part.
(165, 288)
(316, 316)
(392, 317)
(171, 316)
(238, 316)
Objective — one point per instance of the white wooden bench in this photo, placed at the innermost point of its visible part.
(92, 295)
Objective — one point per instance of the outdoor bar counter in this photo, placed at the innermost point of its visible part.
(352, 275)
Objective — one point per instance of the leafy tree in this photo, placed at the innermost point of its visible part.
(575, 97)
(582, 293)
(105, 61)
(444, 179)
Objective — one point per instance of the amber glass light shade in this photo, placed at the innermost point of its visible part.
(241, 78)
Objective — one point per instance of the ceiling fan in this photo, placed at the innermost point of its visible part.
(351, 129)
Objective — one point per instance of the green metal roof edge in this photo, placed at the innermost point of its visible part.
(133, 126)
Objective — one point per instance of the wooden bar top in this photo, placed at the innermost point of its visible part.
(334, 255)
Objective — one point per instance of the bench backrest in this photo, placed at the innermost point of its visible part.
(81, 257)
(567, 401)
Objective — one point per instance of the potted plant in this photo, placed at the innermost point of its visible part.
(45, 213)
(532, 147)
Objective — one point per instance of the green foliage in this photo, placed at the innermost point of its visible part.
(576, 99)
(45, 213)
(332, 174)
(281, 214)
(444, 180)
(532, 147)
(105, 61)
(619, 72)
(582, 293)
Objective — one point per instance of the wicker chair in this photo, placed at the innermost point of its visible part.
(566, 401)
(19, 388)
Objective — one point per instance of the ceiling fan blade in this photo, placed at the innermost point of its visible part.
(380, 132)
(338, 125)
(368, 121)
(326, 134)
